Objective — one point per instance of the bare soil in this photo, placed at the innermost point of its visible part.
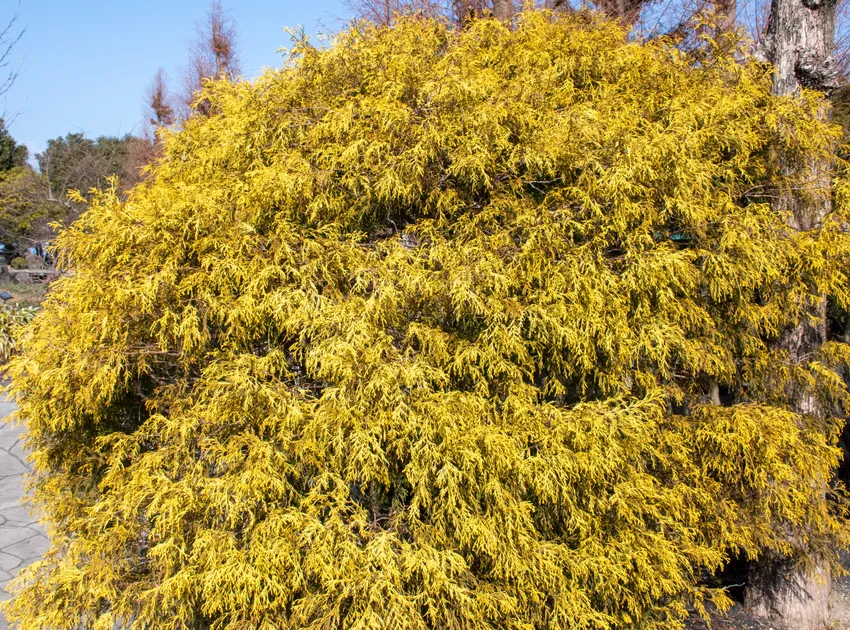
(25, 294)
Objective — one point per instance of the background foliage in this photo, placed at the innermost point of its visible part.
(76, 162)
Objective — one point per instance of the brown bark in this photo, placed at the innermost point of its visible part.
(799, 43)
(786, 595)
(727, 14)
(714, 394)
(503, 10)
(10, 35)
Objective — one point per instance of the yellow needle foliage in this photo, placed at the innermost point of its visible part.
(421, 332)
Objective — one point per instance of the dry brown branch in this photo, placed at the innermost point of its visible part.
(160, 112)
(213, 55)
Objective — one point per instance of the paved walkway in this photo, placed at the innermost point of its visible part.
(22, 540)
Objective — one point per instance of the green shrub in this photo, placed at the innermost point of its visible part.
(18, 262)
(403, 335)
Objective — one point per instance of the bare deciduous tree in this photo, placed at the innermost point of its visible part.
(160, 112)
(213, 55)
(76, 162)
(10, 34)
(842, 41)
(383, 12)
(627, 11)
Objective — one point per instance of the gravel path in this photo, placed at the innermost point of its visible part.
(22, 540)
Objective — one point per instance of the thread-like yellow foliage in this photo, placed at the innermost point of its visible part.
(420, 331)
(12, 318)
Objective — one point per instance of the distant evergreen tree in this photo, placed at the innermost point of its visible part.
(76, 162)
(12, 154)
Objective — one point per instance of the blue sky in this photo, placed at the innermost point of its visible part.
(86, 64)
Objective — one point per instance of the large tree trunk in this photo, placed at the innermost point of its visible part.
(799, 43)
(787, 596)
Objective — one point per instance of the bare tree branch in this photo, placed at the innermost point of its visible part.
(383, 12)
(10, 34)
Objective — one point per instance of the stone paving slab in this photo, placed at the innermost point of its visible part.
(22, 539)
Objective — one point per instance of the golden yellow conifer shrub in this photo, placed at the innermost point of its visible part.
(421, 332)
